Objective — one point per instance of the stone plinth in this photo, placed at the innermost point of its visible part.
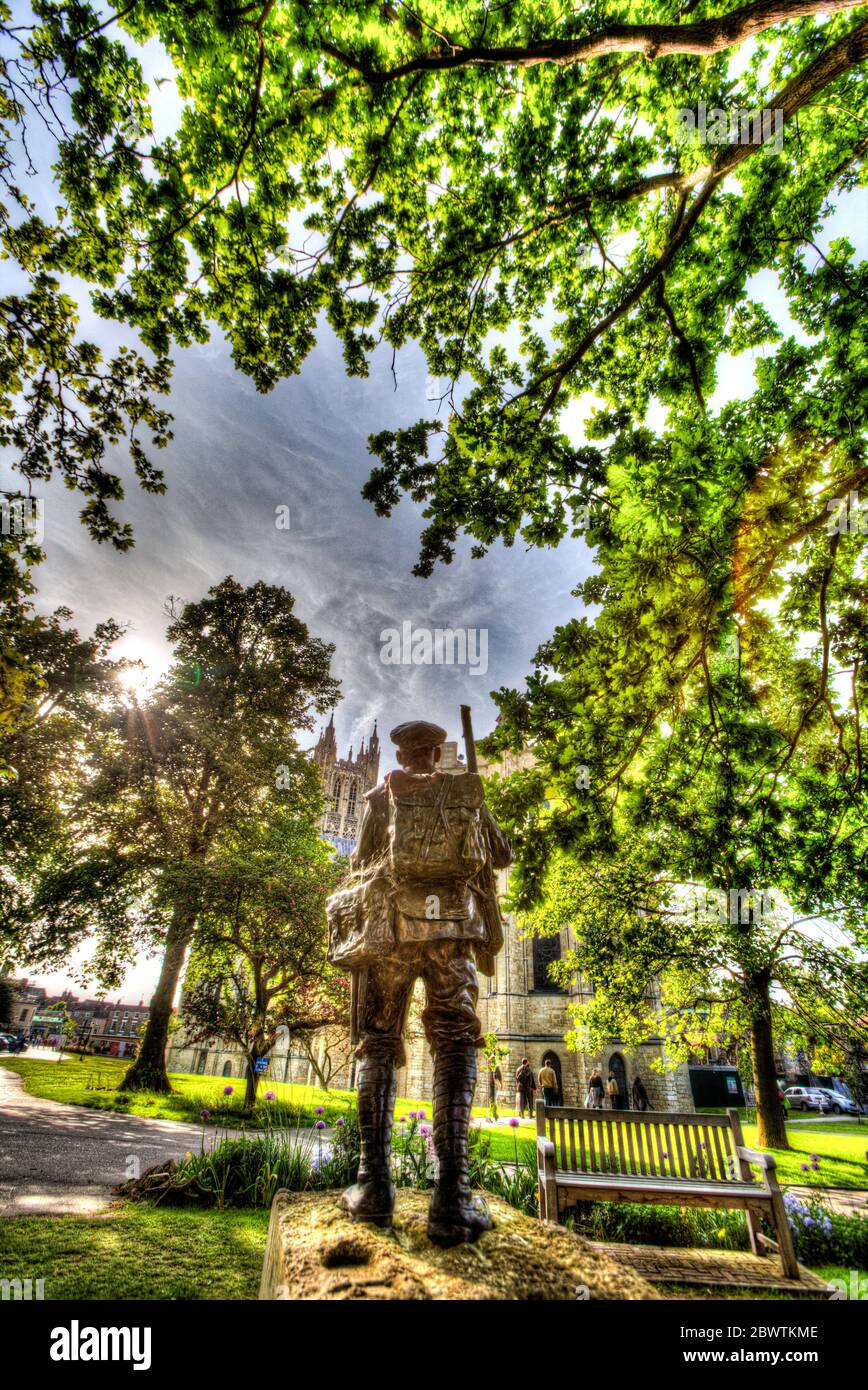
(315, 1251)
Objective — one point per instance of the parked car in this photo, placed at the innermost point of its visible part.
(806, 1098)
(7, 1042)
(838, 1102)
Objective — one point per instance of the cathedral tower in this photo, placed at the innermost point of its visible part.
(346, 781)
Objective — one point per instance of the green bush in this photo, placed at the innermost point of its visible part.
(823, 1236)
(632, 1224)
(240, 1172)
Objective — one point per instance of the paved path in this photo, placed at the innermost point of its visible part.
(848, 1201)
(56, 1157)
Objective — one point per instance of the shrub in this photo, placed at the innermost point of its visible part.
(248, 1172)
(823, 1236)
(632, 1224)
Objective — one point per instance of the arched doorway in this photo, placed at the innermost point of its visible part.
(227, 1068)
(552, 1060)
(619, 1071)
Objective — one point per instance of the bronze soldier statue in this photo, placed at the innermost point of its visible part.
(421, 904)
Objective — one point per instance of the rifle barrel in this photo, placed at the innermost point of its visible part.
(469, 742)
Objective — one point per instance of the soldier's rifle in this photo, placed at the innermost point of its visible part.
(483, 884)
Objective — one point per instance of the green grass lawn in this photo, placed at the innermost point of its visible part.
(155, 1253)
(842, 1157)
(138, 1252)
(93, 1081)
(832, 1126)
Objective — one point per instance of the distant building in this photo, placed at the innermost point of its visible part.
(112, 1030)
(27, 1001)
(346, 781)
(109, 1030)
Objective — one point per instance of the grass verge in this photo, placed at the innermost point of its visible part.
(138, 1252)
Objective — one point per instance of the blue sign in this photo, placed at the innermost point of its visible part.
(260, 1064)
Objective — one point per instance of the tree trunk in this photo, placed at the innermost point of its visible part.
(770, 1114)
(148, 1072)
(251, 1086)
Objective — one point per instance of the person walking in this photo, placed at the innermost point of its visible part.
(595, 1091)
(526, 1087)
(640, 1095)
(613, 1091)
(548, 1084)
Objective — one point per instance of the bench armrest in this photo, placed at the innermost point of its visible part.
(760, 1160)
(754, 1156)
(545, 1150)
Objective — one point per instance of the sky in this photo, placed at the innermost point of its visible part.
(237, 457)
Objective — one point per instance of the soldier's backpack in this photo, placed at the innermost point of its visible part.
(436, 831)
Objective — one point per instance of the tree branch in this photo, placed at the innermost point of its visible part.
(653, 41)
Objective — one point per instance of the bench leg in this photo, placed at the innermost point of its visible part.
(753, 1232)
(786, 1249)
(549, 1199)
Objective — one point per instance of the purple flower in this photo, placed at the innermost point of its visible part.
(402, 1120)
(228, 1090)
(412, 1114)
(424, 1131)
(814, 1158)
(320, 1124)
(270, 1095)
(319, 1110)
(514, 1123)
(204, 1114)
(420, 1114)
(340, 1122)
(804, 1167)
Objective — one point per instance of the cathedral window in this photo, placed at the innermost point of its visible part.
(546, 950)
(351, 799)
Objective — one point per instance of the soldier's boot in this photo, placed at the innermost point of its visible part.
(454, 1215)
(372, 1197)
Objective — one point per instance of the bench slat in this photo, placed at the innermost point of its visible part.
(570, 1179)
(669, 1191)
(718, 1149)
(611, 1164)
(601, 1146)
(619, 1130)
(685, 1117)
(631, 1129)
(679, 1144)
(671, 1152)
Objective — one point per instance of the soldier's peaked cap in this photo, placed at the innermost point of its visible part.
(417, 734)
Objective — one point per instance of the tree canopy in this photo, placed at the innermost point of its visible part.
(162, 779)
(509, 186)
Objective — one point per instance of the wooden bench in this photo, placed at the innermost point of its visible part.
(656, 1156)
